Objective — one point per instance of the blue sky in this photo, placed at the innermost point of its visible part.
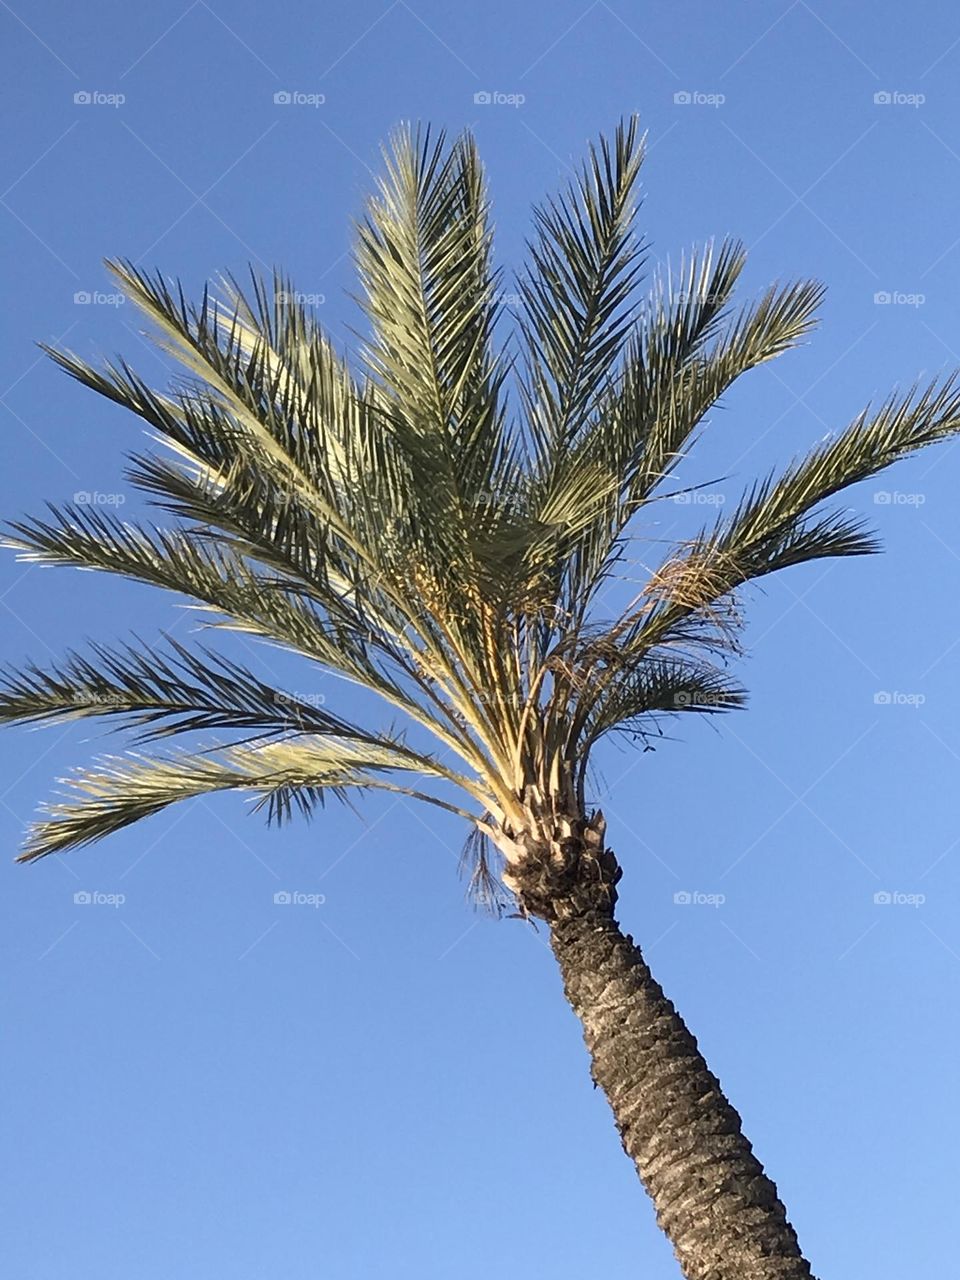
(201, 1082)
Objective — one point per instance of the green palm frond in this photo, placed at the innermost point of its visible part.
(220, 364)
(431, 296)
(248, 428)
(435, 521)
(660, 685)
(905, 423)
(779, 523)
(430, 293)
(161, 694)
(214, 575)
(423, 257)
(675, 375)
(220, 580)
(585, 262)
(670, 381)
(586, 495)
(280, 775)
(683, 355)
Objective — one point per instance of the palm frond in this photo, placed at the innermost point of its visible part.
(219, 579)
(638, 692)
(211, 574)
(779, 524)
(431, 296)
(684, 353)
(161, 694)
(670, 382)
(675, 376)
(577, 295)
(280, 775)
(775, 526)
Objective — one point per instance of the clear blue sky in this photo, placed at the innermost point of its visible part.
(201, 1083)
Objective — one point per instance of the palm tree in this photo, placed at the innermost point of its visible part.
(398, 524)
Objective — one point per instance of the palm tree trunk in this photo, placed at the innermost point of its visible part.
(713, 1200)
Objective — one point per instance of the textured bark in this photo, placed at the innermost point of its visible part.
(713, 1200)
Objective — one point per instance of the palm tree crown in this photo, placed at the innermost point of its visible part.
(403, 525)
